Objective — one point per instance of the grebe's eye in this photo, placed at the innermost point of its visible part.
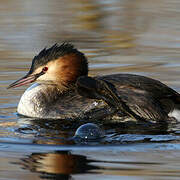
(45, 69)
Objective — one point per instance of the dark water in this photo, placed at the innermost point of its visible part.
(140, 37)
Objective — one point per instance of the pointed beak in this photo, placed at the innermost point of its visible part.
(25, 80)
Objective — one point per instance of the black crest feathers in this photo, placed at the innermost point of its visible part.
(54, 53)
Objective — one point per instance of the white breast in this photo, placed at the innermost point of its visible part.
(28, 104)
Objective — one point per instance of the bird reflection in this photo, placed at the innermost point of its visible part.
(63, 165)
(57, 165)
(62, 132)
(46, 131)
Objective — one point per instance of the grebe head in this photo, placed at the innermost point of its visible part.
(60, 65)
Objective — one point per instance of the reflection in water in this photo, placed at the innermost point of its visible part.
(46, 131)
(59, 132)
(60, 164)
(53, 132)
(89, 15)
(63, 165)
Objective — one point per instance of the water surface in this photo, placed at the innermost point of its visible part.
(139, 37)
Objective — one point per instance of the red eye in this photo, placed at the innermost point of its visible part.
(45, 69)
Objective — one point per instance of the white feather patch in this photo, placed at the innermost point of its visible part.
(175, 113)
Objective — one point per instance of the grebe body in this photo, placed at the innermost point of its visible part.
(63, 90)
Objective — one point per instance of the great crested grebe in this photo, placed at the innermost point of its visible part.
(65, 91)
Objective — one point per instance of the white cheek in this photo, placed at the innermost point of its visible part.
(48, 76)
(43, 77)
